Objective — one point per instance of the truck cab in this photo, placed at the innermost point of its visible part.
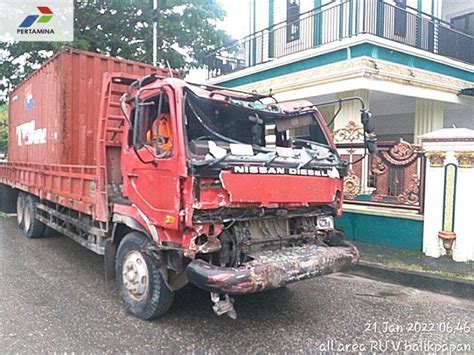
(228, 190)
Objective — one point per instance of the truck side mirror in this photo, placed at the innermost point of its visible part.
(257, 129)
(371, 144)
(367, 121)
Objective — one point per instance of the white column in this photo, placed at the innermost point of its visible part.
(449, 196)
(434, 183)
(429, 117)
(463, 249)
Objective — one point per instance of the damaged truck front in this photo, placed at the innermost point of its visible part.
(175, 182)
(260, 188)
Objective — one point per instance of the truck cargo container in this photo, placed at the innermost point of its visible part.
(54, 112)
(175, 182)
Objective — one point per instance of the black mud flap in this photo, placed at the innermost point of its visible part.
(272, 269)
(109, 260)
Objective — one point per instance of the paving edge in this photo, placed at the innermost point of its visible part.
(430, 282)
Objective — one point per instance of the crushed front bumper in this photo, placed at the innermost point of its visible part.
(272, 269)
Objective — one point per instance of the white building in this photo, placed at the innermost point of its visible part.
(410, 60)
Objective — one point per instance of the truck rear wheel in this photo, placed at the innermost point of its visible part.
(140, 283)
(20, 206)
(32, 228)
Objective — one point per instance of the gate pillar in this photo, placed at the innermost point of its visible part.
(449, 193)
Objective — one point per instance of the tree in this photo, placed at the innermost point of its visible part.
(187, 31)
(3, 128)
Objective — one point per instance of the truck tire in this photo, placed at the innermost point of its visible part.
(20, 206)
(32, 228)
(140, 283)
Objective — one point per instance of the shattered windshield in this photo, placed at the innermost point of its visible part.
(223, 127)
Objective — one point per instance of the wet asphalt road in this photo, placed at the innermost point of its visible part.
(54, 298)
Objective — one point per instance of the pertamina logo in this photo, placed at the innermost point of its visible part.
(36, 21)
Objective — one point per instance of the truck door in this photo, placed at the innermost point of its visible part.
(151, 166)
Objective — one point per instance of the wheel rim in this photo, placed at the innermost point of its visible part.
(19, 210)
(135, 275)
(26, 218)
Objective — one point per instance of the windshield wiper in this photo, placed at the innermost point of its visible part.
(210, 162)
(272, 158)
(315, 157)
(292, 140)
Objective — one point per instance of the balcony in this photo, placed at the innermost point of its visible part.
(334, 22)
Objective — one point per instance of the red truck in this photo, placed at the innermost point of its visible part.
(174, 182)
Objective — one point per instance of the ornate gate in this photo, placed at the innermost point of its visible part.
(393, 177)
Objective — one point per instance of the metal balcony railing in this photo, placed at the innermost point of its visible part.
(333, 22)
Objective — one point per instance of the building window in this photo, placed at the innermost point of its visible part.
(400, 23)
(293, 20)
(464, 23)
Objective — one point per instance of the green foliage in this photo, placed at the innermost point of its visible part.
(187, 31)
(3, 128)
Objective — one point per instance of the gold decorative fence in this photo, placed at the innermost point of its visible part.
(393, 177)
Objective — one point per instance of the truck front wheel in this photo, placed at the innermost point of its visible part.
(140, 283)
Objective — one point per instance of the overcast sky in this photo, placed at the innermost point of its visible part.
(236, 25)
(237, 20)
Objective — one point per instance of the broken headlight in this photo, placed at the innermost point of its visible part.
(325, 223)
